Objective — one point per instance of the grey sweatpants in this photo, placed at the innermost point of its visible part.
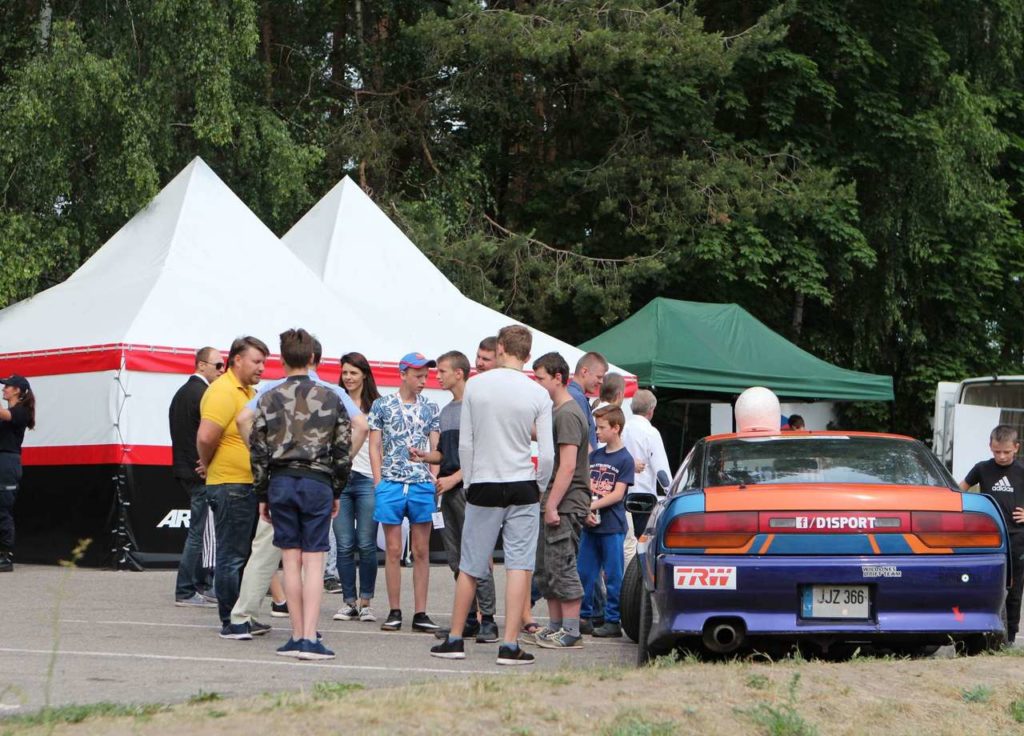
(453, 508)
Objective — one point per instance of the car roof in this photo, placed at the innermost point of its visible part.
(795, 434)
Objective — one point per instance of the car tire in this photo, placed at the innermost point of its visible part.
(644, 619)
(992, 641)
(629, 598)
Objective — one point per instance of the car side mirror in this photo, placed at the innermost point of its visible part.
(641, 503)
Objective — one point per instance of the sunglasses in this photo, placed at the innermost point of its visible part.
(219, 366)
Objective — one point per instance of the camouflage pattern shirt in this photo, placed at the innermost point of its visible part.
(302, 428)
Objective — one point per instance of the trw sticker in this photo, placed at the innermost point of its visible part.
(705, 578)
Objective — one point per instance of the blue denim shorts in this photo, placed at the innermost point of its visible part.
(394, 501)
(300, 511)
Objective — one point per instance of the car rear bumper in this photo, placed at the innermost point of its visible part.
(931, 595)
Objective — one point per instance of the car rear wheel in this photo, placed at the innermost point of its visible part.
(629, 598)
(644, 618)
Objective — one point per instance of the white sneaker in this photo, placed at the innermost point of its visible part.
(348, 612)
(366, 614)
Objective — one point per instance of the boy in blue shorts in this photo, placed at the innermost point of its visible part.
(611, 473)
(404, 427)
(299, 452)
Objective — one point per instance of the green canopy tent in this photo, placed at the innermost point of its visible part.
(722, 348)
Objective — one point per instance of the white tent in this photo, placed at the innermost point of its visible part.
(106, 349)
(349, 242)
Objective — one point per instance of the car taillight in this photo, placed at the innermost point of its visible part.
(955, 529)
(718, 529)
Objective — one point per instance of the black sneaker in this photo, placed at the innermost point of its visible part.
(449, 649)
(256, 628)
(472, 628)
(236, 631)
(421, 622)
(279, 610)
(510, 656)
(488, 633)
(332, 585)
(586, 626)
(608, 630)
(6, 563)
(393, 622)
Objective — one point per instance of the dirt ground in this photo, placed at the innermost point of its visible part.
(979, 695)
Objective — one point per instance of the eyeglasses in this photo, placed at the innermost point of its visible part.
(219, 366)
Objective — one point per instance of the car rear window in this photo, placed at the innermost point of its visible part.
(834, 459)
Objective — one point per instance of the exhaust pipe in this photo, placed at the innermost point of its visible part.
(723, 636)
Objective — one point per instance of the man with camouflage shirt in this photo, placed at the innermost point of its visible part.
(299, 447)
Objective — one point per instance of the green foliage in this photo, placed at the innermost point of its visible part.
(782, 719)
(851, 173)
(1016, 709)
(334, 690)
(205, 697)
(977, 694)
(79, 713)
(636, 723)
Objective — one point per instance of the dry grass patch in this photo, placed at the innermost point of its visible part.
(788, 698)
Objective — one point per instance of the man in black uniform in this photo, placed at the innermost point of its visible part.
(184, 421)
(1002, 480)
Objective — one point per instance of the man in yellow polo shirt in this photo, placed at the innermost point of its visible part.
(224, 461)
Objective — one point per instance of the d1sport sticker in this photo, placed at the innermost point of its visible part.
(704, 578)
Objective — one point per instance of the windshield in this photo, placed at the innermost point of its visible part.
(835, 459)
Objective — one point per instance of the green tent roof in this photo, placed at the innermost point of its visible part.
(722, 348)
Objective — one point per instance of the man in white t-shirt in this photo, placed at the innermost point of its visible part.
(500, 409)
(648, 450)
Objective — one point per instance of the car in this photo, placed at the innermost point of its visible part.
(824, 540)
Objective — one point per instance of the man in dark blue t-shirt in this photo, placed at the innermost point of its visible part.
(1002, 480)
(601, 546)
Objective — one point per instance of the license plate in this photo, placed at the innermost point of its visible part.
(835, 601)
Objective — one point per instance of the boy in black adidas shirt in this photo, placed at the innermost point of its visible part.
(1002, 480)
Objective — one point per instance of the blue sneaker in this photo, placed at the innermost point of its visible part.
(257, 629)
(313, 650)
(290, 648)
(236, 631)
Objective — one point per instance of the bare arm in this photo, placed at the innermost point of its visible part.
(360, 431)
(5, 414)
(244, 423)
(545, 448)
(611, 499)
(964, 486)
(207, 441)
(376, 456)
(566, 467)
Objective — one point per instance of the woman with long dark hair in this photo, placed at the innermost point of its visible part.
(354, 525)
(15, 418)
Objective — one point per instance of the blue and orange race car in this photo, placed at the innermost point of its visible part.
(826, 540)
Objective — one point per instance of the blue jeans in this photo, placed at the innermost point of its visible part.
(234, 509)
(331, 560)
(601, 552)
(354, 526)
(191, 573)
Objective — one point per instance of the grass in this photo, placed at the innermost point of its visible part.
(1017, 710)
(334, 690)
(204, 697)
(788, 697)
(782, 719)
(635, 723)
(79, 713)
(977, 694)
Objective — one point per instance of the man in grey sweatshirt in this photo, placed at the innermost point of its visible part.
(500, 410)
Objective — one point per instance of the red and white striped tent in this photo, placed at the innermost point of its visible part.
(106, 350)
